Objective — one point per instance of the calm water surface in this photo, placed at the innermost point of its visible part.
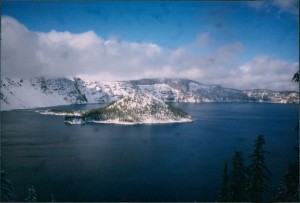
(165, 162)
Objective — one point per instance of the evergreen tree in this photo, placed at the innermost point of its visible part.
(288, 190)
(296, 77)
(238, 182)
(52, 198)
(8, 193)
(224, 192)
(31, 197)
(258, 172)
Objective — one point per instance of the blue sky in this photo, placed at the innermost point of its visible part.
(265, 30)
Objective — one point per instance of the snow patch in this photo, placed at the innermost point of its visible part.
(60, 112)
(75, 121)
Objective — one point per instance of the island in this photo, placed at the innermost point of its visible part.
(135, 108)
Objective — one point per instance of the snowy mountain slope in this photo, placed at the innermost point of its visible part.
(20, 93)
(31, 93)
(262, 95)
(183, 90)
(103, 92)
(135, 108)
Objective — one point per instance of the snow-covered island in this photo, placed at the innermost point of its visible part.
(136, 108)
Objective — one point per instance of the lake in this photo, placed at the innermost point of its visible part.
(163, 162)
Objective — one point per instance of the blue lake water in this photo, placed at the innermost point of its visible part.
(164, 162)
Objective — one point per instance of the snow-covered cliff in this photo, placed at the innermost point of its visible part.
(42, 92)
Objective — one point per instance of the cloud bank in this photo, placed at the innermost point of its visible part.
(25, 53)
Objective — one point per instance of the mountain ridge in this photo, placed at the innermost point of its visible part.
(43, 92)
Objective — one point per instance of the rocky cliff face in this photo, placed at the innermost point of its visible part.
(42, 92)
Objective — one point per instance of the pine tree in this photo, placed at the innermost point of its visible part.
(238, 182)
(31, 197)
(8, 193)
(288, 191)
(296, 77)
(258, 172)
(224, 192)
(52, 198)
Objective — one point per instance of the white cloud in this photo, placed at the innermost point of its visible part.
(63, 54)
(18, 48)
(258, 4)
(203, 39)
(265, 72)
(290, 6)
(287, 6)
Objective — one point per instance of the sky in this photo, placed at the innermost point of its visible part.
(242, 45)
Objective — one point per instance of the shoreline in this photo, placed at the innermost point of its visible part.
(131, 123)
